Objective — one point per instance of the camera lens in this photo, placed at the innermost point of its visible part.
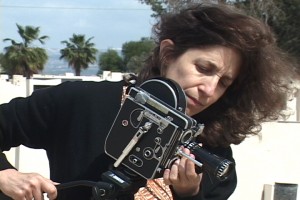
(219, 167)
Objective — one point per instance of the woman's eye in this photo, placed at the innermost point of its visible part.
(225, 83)
(202, 69)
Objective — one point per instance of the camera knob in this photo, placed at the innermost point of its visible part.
(224, 170)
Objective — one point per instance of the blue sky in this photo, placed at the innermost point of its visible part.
(110, 22)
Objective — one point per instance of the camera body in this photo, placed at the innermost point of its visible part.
(148, 131)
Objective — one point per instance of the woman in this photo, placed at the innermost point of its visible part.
(230, 69)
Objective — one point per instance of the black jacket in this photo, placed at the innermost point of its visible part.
(71, 121)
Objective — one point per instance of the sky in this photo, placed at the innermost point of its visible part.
(110, 22)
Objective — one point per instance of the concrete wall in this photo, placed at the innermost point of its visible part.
(261, 160)
(271, 158)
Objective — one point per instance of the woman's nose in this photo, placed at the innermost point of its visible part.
(209, 86)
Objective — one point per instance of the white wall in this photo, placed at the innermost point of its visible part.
(273, 157)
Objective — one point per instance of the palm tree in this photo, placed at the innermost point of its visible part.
(23, 58)
(79, 53)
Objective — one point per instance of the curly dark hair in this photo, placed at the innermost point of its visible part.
(260, 91)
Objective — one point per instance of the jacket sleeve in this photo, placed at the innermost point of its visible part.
(4, 164)
(36, 121)
(28, 121)
(211, 188)
(24, 121)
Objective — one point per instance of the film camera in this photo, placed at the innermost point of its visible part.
(150, 129)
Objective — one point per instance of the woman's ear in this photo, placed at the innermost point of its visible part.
(164, 54)
(165, 44)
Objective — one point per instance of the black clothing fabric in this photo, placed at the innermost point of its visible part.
(71, 121)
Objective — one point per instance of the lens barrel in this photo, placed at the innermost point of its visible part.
(211, 163)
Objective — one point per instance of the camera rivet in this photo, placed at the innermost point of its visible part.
(125, 122)
(147, 153)
(159, 131)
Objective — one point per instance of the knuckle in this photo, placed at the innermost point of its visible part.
(52, 191)
(173, 178)
(19, 194)
(34, 180)
(191, 174)
(33, 183)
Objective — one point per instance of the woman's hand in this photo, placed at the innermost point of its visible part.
(26, 186)
(183, 177)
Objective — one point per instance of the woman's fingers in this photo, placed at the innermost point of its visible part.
(26, 186)
(182, 175)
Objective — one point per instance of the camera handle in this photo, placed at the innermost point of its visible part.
(113, 182)
(181, 153)
(100, 190)
(141, 131)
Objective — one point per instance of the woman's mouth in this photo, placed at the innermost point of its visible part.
(193, 101)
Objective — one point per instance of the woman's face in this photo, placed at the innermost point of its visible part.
(204, 75)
